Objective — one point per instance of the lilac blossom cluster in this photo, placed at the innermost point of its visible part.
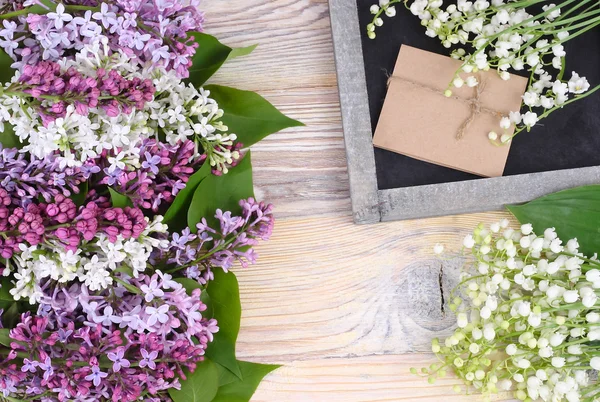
(154, 31)
(107, 90)
(164, 171)
(111, 134)
(131, 346)
(25, 180)
(198, 253)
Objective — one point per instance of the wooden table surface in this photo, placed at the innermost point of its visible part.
(346, 309)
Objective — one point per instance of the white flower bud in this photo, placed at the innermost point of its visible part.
(469, 242)
(493, 136)
(574, 350)
(462, 320)
(474, 348)
(518, 377)
(550, 234)
(438, 249)
(488, 332)
(571, 296)
(472, 81)
(545, 352)
(476, 333)
(595, 363)
(458, 82)
(480, 375)
(558, 362)
(390, 11)
(374, 9)
(557, 339)
(592, 318)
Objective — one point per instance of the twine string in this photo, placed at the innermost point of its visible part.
(474, 103)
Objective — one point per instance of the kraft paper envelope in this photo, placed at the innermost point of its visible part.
(417, 120)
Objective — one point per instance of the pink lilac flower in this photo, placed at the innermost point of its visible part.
(107, 90)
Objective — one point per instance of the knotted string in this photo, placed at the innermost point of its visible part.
(474, 103)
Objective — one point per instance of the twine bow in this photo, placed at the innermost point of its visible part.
(474, 103)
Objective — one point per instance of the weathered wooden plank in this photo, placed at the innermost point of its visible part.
(301, 170)
(325, 288)
(361, 379)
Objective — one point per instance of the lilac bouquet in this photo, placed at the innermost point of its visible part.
(125, 200)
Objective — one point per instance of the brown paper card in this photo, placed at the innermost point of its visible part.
(417, 120)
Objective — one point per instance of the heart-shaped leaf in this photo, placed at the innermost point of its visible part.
(199, 386)
(6, 340)
(8, 138)
(221, 192)
(224, 295)
(574, 213)
(119, 200)
(242, 390)
(247, 114)
(5, 286)
(176, 216)
(209, 57)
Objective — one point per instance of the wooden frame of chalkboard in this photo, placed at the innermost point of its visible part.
(369, 203)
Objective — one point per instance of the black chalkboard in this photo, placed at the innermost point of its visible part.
(569, 138)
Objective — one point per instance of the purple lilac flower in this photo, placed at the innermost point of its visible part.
(24, 180)
(165, 170)
(59, 374)
(231, 242)
(153, 31)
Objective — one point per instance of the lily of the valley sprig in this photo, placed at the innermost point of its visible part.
(505, 36)
(527, 317)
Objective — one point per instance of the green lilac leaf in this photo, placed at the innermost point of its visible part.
(199, 386)
(225, 375)
(221, 192)
(119, 200)
(248, 115)
(5, 338)
(7, 285)
(10, 317)
(574, 213)
(6, 71)
(8, 138)
(241, 51)
(242, 390)
(79, 198)
(224, 295)
(188, 284)
(209, 57)
(176, 216)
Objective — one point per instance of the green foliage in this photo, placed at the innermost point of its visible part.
(6, 72)
(199, 386)
(208, 59)
(79, 198)
(119, 200)
(241, 51)
(176, 216)
(5, 339)
(227, 310)
(241, 390)
(247, 114)
(221, 192)
(8, 138)
(575, 213)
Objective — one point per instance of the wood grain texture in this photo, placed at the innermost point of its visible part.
(364, 379)
(337, 304)
(301, 170)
